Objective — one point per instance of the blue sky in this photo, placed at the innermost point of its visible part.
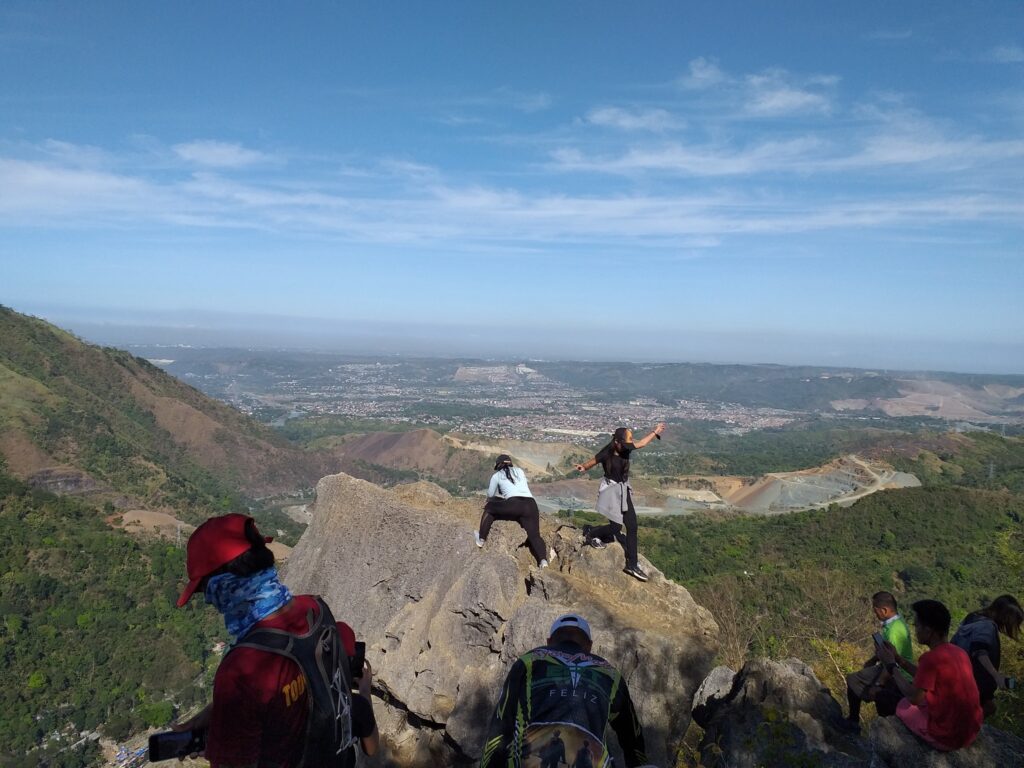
(833, 183)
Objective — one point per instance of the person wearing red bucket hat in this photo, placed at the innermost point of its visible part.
(265, 702)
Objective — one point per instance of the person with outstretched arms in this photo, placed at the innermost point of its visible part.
(615, 496)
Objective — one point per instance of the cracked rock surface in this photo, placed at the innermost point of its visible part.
(443, 620)
(776, 714)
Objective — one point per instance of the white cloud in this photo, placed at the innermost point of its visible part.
(427, 208)
(1007, 54)
(524, 101)
(890, 34)
(219, 154)
(694, 160)
(774, 93)
(703, 74)
(656, 120)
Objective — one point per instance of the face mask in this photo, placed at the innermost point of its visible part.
(245, 600)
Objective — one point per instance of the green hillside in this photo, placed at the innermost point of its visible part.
(89, 635)
(799, 584)
(131, 429)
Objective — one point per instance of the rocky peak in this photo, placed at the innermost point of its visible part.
(444, 620)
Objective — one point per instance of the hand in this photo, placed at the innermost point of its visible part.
(886, 652)
(366, 681)
(580, 468)
(198, 722)
(1004, 682)
(659, 427)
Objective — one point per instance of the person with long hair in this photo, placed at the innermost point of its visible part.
(615, 496)
(978, 634)
(509, 498)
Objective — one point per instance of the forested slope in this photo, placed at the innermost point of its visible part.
(90, 637)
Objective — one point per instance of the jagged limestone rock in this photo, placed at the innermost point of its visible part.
(775, 714)
(444, 620)
(896, 747)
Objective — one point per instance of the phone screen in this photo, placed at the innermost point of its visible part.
(174, 744)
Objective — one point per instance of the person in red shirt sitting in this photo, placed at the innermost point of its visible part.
(260, 701)
(942, 705)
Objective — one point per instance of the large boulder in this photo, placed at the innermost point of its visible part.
(776, 714)
(444, 620)
(896, 747)
(773, 714)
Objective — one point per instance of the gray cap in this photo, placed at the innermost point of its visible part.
(573, 620)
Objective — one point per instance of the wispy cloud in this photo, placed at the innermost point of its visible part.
(1006, 54)
(693, 160)
(702, 74)
(219, 154)
(775, 92)
(890, 34)
(524, 101)
(655, 120)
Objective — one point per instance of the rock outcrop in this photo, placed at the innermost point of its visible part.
(444, 620)
(775, 714)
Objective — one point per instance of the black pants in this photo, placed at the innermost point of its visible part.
(522, 509)
(613, 532)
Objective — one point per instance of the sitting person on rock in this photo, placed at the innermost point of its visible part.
(563, 695)
(615, 495)
(509, 498)
(942, 705)
(979, 636)
(873, 682)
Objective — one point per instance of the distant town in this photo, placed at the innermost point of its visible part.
(504, 401)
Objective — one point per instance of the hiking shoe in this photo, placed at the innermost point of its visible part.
(596, 543)
(636, 572)
(543, 564)
(479, 541)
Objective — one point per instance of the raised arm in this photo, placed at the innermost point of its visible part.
(644, 441)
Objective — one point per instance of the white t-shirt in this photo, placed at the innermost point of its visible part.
(500, 485)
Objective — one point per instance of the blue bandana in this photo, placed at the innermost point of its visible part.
(244, 600)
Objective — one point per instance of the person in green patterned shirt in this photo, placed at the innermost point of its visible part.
(557, 701)
(873, 683)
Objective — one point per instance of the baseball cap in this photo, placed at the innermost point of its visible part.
(573, 620)
(624, 436)
(502, 461)
(216, 542)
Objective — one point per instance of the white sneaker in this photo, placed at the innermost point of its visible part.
(479, 541)
(543, 563)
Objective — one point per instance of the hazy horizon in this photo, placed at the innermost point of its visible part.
(367, 338)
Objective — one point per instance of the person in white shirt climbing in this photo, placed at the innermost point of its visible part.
(509, 498)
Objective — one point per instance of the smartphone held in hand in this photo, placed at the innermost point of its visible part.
(175, 744)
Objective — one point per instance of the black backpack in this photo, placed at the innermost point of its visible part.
(322, 658)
